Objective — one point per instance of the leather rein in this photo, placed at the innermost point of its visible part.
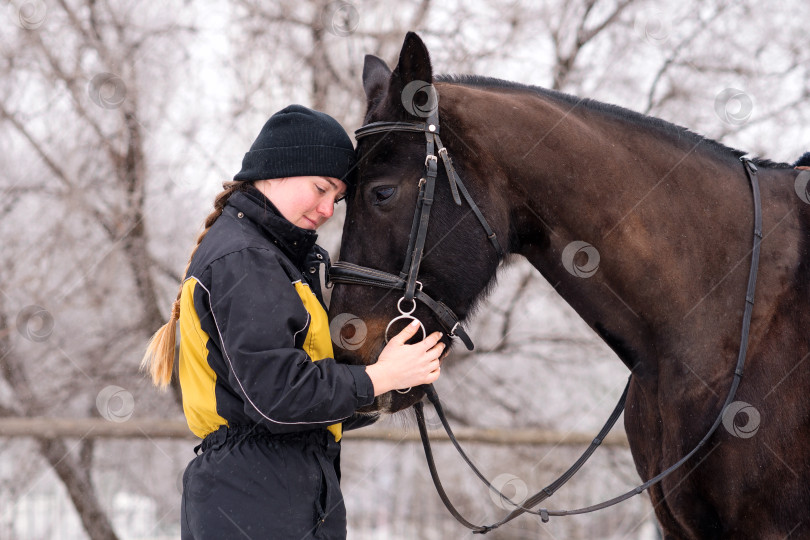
(343, 272)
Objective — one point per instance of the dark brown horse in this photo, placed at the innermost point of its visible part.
(645, 229)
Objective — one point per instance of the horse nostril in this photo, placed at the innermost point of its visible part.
(348, 332)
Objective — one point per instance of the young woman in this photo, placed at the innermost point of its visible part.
(259, 383)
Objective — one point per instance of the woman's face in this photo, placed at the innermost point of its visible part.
(305, 201)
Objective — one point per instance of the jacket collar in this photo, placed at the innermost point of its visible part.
(294, 241)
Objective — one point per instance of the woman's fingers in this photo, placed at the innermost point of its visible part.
(406, 333)
(409, 331)
(435, 348)
(432, 339)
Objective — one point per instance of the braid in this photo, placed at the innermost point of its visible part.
(158, 360)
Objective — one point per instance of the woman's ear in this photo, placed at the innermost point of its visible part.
(264, 186)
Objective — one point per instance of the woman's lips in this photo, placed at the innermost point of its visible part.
(311, 224)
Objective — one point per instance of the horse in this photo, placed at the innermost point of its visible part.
(645, 229)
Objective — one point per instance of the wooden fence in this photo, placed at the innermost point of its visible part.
(49, 428)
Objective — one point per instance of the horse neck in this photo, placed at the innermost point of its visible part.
(659, 213)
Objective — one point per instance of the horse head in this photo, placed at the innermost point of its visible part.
(380, 214)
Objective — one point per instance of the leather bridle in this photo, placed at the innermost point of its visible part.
(343, 272)
(526, 505)
(407, 280)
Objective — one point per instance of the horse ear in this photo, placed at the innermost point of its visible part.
(375, 77)
(412, 74)
(414, 62)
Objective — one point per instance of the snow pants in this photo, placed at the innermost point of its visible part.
(249, 483)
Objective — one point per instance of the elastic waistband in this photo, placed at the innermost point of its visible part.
(239, 433)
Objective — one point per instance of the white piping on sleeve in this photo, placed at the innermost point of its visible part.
(305, 324)
(247, 397)
(304, 328)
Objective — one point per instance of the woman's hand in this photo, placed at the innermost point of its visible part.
(403, 366)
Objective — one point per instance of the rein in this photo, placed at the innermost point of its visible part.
(407, 281)
(534, 500)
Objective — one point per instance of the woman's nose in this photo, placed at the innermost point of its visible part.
(327, 207)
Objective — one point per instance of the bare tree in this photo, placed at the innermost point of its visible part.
(118, 120)
(80, 295)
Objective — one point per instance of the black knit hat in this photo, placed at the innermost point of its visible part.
(297, 141)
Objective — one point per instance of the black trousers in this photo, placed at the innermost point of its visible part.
(248, 483)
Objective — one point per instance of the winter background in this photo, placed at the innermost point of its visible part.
(119, 120)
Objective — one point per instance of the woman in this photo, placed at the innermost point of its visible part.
(259, 383)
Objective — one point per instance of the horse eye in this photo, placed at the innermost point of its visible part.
(383, 194)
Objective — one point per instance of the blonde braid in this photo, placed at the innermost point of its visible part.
(158, 360)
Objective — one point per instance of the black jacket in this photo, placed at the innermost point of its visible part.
(255, 343)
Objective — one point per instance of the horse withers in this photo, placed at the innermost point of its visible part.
(560, 179)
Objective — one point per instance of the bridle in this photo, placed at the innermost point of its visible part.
(407, 280)
(342, 272)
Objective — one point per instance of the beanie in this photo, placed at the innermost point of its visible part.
(297, 141)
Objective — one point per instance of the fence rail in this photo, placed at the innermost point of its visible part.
(49, 428)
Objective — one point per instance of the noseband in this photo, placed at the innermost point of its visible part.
(407, 280)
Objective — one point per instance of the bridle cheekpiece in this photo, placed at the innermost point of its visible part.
(407, 280)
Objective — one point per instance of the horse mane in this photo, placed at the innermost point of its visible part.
(674, 131)
(803, 161)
